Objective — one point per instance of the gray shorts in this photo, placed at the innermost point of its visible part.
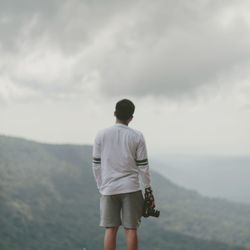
(121, 209)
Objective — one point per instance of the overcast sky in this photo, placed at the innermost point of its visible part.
(185, 65)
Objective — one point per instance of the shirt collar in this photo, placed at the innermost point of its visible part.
(120, 125)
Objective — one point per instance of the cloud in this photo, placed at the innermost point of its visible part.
(181, 55)
(59, 49)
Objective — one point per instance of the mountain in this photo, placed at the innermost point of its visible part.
(214, 176)
(49, 200)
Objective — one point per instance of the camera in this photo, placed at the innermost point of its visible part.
(148, 211)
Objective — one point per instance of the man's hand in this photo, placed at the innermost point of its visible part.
(149, 197)
(149, 204)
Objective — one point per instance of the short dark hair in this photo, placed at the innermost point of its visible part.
(124, 109)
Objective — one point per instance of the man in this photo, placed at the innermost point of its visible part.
(119, 158)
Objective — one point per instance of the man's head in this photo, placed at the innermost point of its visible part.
(124, 110)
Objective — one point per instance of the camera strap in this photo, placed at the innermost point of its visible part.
(149, 197)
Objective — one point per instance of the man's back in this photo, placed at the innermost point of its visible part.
(119, 149)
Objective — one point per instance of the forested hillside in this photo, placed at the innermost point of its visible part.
(48, 200)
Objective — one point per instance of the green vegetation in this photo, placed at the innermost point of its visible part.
(48, 200)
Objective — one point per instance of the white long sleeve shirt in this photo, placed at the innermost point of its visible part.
(119, 157)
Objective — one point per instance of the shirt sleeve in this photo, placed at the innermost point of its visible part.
(142, 162)
(96, 161)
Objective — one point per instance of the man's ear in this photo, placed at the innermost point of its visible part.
(130, 119)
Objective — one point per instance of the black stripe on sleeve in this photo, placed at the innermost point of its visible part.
(142, 164)
(141, 161)
(97, 160)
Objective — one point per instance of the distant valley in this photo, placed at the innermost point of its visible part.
(214, 176)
